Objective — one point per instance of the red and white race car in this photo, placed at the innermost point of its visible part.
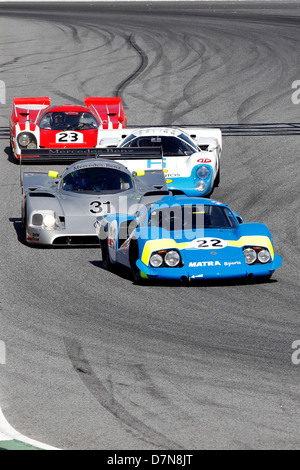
(34, 124)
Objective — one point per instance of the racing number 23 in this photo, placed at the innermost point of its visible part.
(97, 207)
(69, 136)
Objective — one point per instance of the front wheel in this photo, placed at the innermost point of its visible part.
(106, 263)
(218, 177)
(136, 273)
(24, 224)
(134, 256)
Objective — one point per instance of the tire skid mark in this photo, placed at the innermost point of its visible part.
(74, 31)
(171, 67)
(109, 37)
(142, 66)
(144, 377)
(105, 397)
(16, 61)
(106, 38)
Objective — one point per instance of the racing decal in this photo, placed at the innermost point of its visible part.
(208, 243)
(35, 235)
(83, 165)
(97, 207)
(231, 263)
(201, 264)
(217, 202)
(204, 160)
(69, 137)
(172, 175)
(150, 163)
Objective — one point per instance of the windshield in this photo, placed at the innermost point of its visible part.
(89, 180)
(171, 145)
(192, 217)
(73, 120)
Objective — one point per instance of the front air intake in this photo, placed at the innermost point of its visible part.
(78, 240)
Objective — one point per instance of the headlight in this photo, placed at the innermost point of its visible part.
(156, 260)
(26, 140)
(166, 259)
(172, 258)
(32, 145)
(201, 186)
(264, 256)
(203, 172)
(49, 221)
(250, 255)
(256, 254)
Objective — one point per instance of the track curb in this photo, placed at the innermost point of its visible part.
(10, 439)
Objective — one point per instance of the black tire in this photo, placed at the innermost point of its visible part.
(106, 263)
(134, 256)
(218, 177)
(24, 222)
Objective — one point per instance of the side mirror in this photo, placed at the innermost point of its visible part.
(239, 219)
(212, 147)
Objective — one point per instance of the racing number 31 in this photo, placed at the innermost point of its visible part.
(97, 207)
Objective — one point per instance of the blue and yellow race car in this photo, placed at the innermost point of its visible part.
(186, 239)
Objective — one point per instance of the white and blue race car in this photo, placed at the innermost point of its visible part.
(191, 156)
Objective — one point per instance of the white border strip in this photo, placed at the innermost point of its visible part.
(8, 433)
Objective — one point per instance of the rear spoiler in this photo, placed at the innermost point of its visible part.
(110, 111)
(40, 100)
(76, 154)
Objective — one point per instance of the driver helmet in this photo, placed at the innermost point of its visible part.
(58, 118)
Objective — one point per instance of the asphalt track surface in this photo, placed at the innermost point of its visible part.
(94, 361)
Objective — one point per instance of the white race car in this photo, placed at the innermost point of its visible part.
(191, 156)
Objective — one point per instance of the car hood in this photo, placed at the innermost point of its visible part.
(88, 205)
(50, 138)
(173, 166)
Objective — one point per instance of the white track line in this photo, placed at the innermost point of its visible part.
(7, 433)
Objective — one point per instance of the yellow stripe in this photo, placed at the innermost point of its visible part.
(253, 241)
(155, 245)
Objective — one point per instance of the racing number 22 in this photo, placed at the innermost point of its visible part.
(97, 207)
(209, 243)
